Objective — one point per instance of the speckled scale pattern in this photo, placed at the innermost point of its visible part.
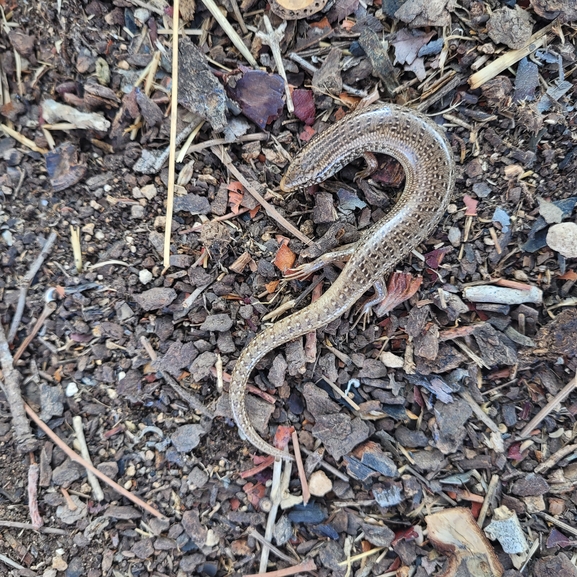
(423, 151)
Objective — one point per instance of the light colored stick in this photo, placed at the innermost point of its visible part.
(503, 62)
(74, 456)
(96, 488)
(555, 458)
(273, 38)
(480, 413)
(550, 406)
(25, 284)
(275, 497)
(488, 498)
(301, 470)
(172, 148)
(270, 209)
(47, 530)
(561, 524)
(35, 517)
(230, 31)
(22, 139)
(208, 143)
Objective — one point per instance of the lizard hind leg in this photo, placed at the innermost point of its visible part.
(380, 294)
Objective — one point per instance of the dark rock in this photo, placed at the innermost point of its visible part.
(409, 438)
(450, 420)
(187, 437)
(312, 513)
(554, 566)
(67, 473)
(530, 486)
(155, 298)
(143, 548)
(194, 528)
(220, 323)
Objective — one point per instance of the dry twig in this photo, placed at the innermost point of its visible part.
(172, 147)
(74, 456)
(96, 489)
(25, 284)
(300, 468)
(25, 441)
(224, 157)
(550, 406)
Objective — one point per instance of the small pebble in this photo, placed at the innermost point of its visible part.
(149, 191)
(320, 484)
(71, 389)
(142, 15)
(145, 276)
(7, 237)
(136, 211)
(563, 239)
(550, 212)
(454, 236)
(59, 564)
(392, 361)
(481, 189)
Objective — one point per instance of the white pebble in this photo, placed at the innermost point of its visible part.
(320, 484)
(142, 14)
(454, 236)
(563, 238)
(71, 389)
(7, 237)
(392, 361)
(145, 276)
(505, 527)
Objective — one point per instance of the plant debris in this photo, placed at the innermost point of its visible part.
(144, 242)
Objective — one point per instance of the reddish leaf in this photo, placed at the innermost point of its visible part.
(234, 199)
(557, 539)
(434, 258)
(476, 508)
(260, 96)
(404, 534)
(271, 286)
(418, 396)
(307, 133)
(282, 437)
(349, 100)
(401, 286)
(471, 205)
(322, 24)
(254, 492)
(304, 105)
(253, 211)
(284, 258)
(569, 275)
(340, 113)
(514, 452)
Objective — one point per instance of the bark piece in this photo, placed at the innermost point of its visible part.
(512, 27)
(455, 533)
(327, 79)
(198, 88)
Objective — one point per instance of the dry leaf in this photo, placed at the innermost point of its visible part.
(284, 258)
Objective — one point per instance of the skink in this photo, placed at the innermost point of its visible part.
(421, 148)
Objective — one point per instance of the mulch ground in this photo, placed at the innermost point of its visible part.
(451, 440)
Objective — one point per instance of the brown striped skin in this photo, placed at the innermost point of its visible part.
(422, 149)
